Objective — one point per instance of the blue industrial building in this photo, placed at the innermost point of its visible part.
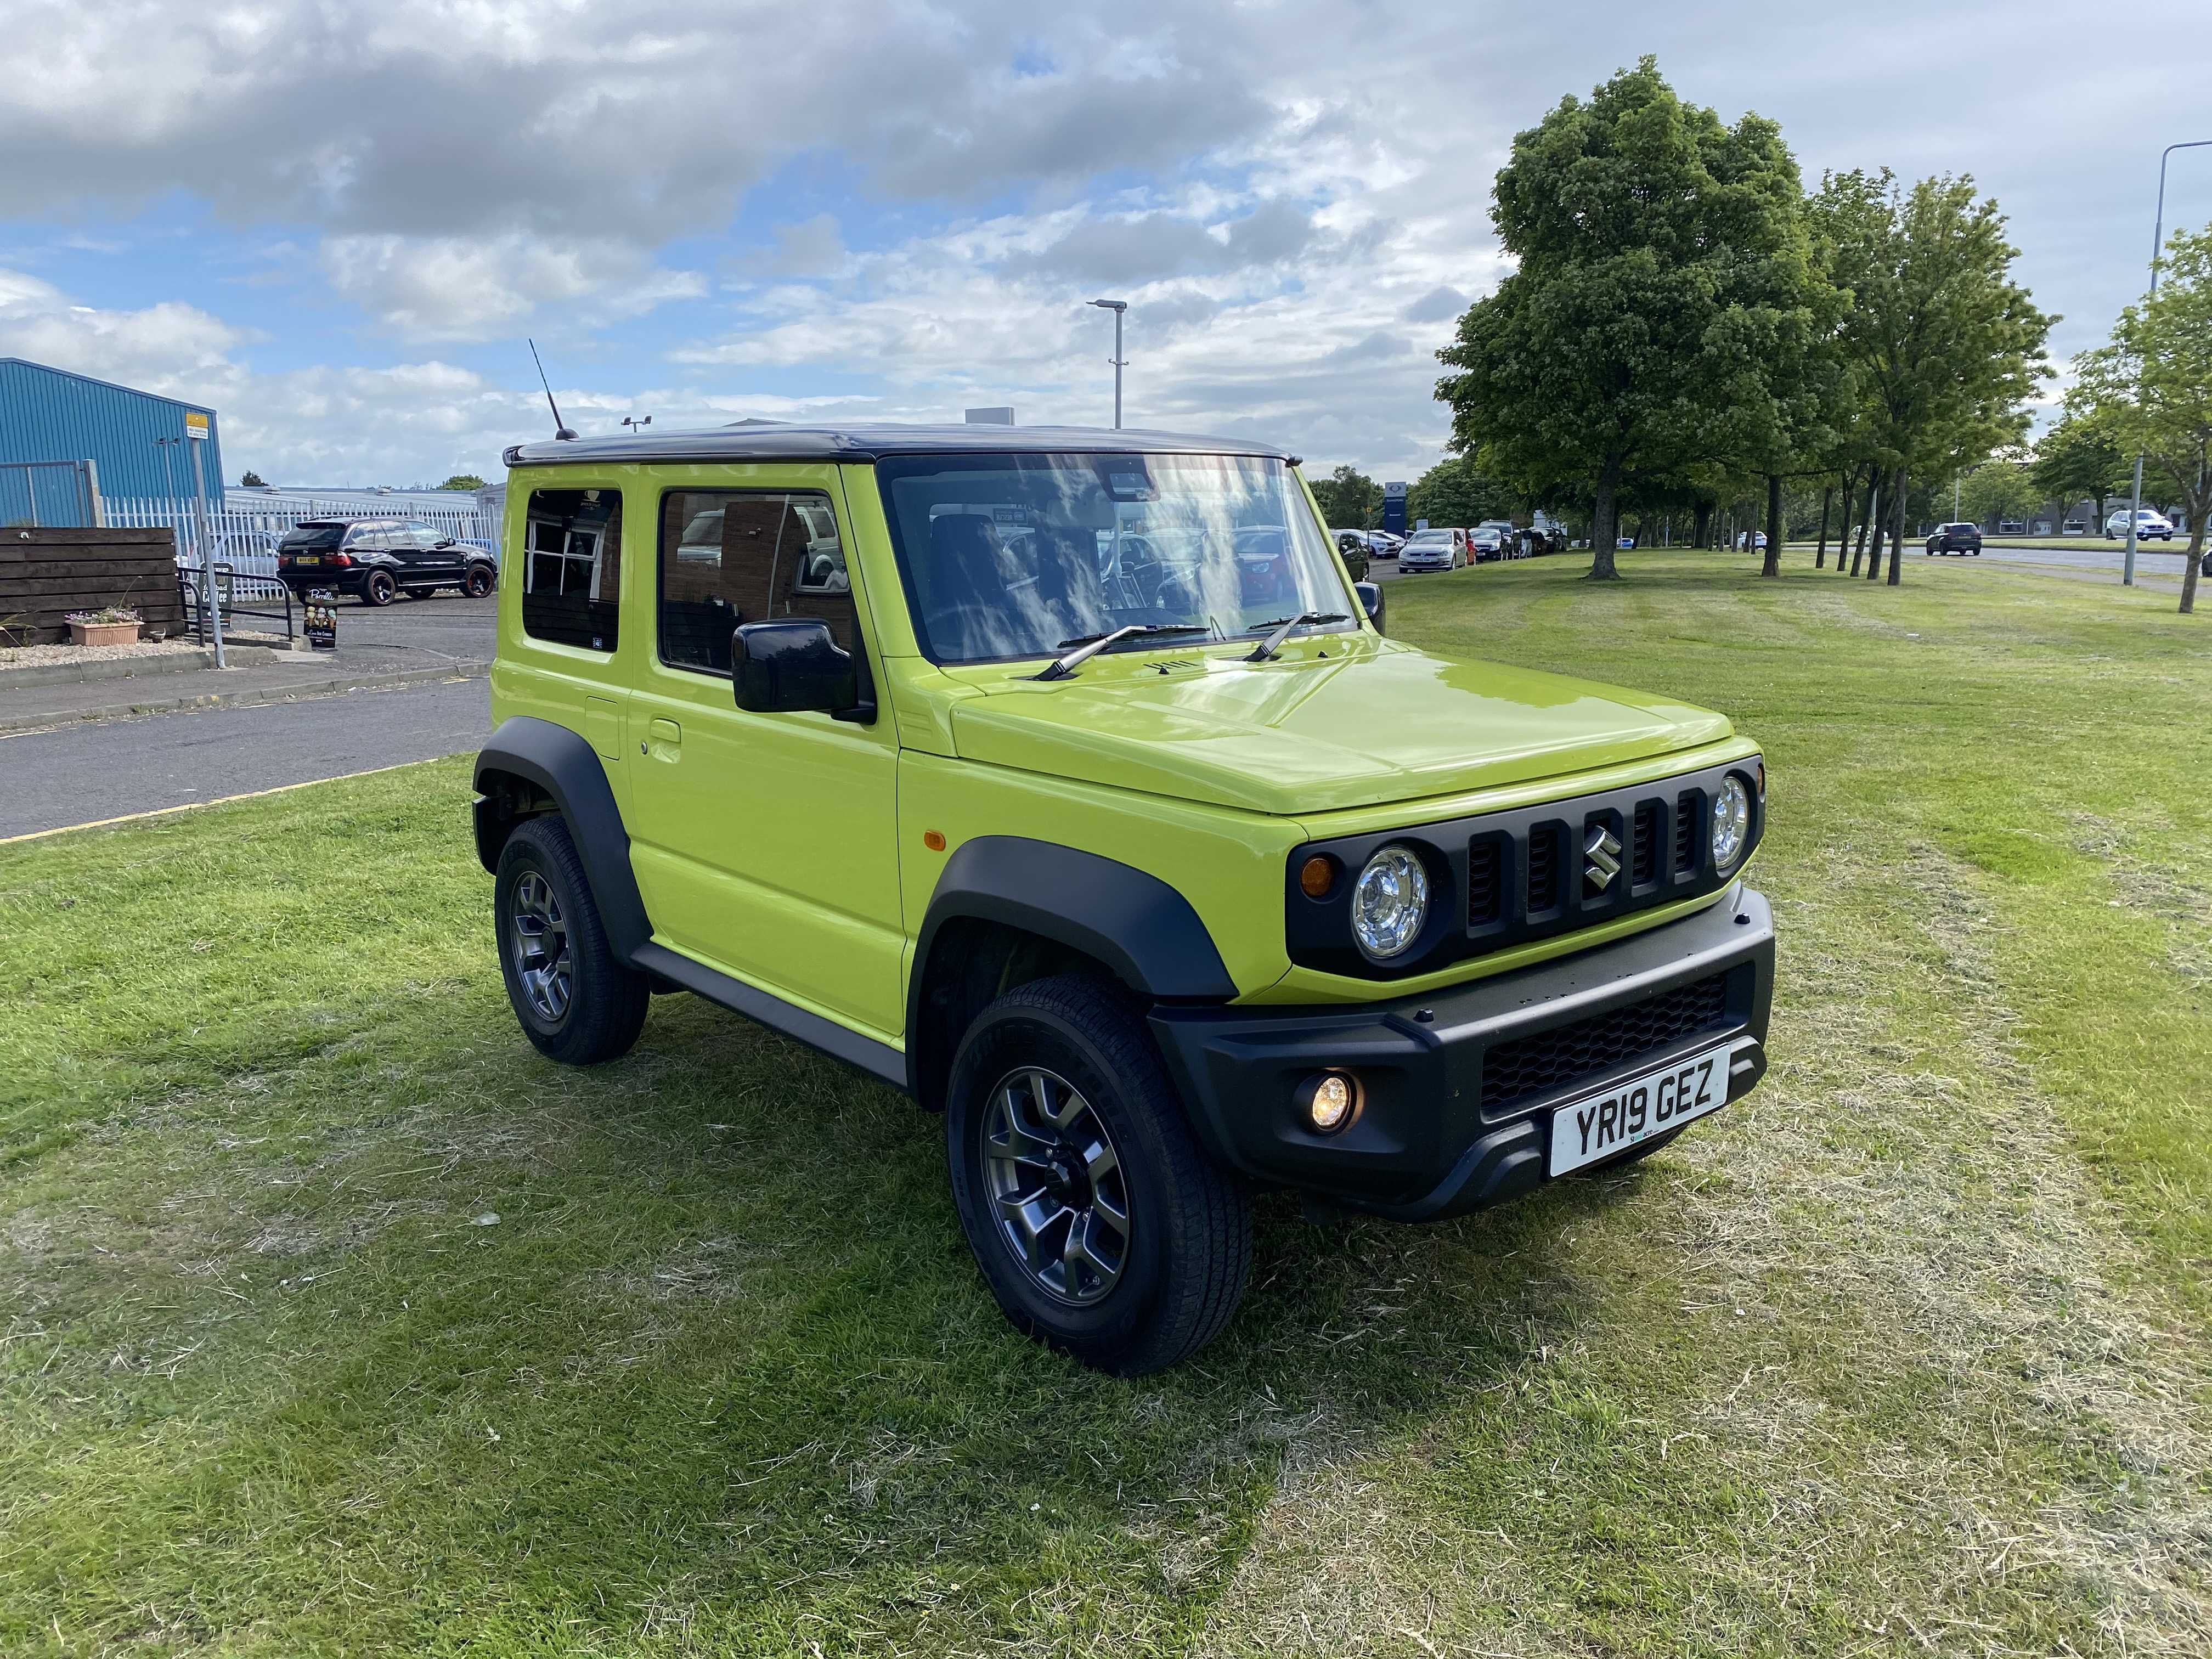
(52, 415)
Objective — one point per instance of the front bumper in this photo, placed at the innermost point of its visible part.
(1459, 1086)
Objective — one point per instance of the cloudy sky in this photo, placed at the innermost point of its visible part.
(337, 221)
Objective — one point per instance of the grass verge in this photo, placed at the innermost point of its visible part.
(338, 1322)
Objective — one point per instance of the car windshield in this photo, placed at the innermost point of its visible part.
(1013, 555)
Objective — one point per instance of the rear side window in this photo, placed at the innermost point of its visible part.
(309, 536)
(572, 567)
(728, 557)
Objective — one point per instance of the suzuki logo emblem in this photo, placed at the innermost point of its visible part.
(1603, 848)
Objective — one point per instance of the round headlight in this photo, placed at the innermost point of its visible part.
(1390, 902)
(1731, 822)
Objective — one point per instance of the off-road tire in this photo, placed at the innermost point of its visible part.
(606, 1002)
(1189, 1248)
(379, 589)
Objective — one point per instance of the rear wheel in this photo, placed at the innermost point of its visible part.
(1099, 1223)
(379, 589)
(574, 1002)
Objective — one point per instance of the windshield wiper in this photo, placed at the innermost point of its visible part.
(1089, 645)
(1282, 625)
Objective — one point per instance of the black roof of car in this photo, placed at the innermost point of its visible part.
(869, 441)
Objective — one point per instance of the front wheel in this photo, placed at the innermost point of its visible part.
(575, 1002)
(1100, 1225)
(477, 583)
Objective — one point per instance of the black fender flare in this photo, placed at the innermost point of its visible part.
(568, 770)
(1140, 928)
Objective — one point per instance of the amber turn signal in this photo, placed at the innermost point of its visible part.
(933, 840)
(1316, 876)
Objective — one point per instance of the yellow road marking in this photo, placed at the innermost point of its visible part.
(194, 805)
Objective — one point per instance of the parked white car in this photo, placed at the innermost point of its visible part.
(2150, 526)
(1434, 550)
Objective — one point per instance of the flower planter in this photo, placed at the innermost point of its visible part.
(105, 633)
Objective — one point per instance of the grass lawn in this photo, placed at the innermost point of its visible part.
(335, 1322)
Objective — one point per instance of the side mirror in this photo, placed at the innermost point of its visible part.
(796, 667)
(1370, 601)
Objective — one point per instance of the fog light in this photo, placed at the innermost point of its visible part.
(1327, 1101)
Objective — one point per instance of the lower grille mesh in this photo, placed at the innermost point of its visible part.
(1534, 1065)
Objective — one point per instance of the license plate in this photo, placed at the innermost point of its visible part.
(1584, 1131)
(307, 558)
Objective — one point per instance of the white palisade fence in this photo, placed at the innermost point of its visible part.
(245, 538)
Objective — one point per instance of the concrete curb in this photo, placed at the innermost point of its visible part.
(107, 668)
(11, 723)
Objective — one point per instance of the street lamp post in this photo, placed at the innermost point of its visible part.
(2157, 247)
(1119, 307)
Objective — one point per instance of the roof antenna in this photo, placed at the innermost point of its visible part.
(559, 430)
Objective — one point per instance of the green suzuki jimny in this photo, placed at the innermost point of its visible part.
(1063, 780)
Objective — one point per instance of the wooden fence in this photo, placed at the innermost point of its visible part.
(44, 574)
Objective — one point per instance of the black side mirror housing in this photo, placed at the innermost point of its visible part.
(798, 667)
(1370, 601)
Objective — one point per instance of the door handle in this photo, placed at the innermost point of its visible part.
(666, 737)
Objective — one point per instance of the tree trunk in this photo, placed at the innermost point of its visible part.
(1866, 514)
(1820, 553)
(2198, 506)
(1605, 525)
(1843, 538)
(1704, 525)
(1877, 523)
(1897, 535)
(1773, 565)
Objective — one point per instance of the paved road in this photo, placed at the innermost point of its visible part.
(83, 773)
(2104, 558)
(447, 624)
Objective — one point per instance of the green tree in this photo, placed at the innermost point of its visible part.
(2152, 384)
(1663, 272)
(2079, 459)
(1454, 492)
(463, 480)
(1997, 491)
(1349, 499)
(1945, 348)
(252, 480)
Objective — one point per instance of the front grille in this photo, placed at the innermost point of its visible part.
(1525, 1067)
(1521, 874)
(1485, 881)
(1643, 855)
(1686, 832)
(1546, 861)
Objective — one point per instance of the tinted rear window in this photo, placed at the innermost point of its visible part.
(313, 536)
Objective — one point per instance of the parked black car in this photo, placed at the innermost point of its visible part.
(1352, 546)
(1956, 538)
(376, 560)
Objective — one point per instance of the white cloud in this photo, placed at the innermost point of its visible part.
(1293, 193)
(166, 347)
(451, 287)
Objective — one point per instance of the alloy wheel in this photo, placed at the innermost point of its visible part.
(538, 936)
(1057, 1186)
